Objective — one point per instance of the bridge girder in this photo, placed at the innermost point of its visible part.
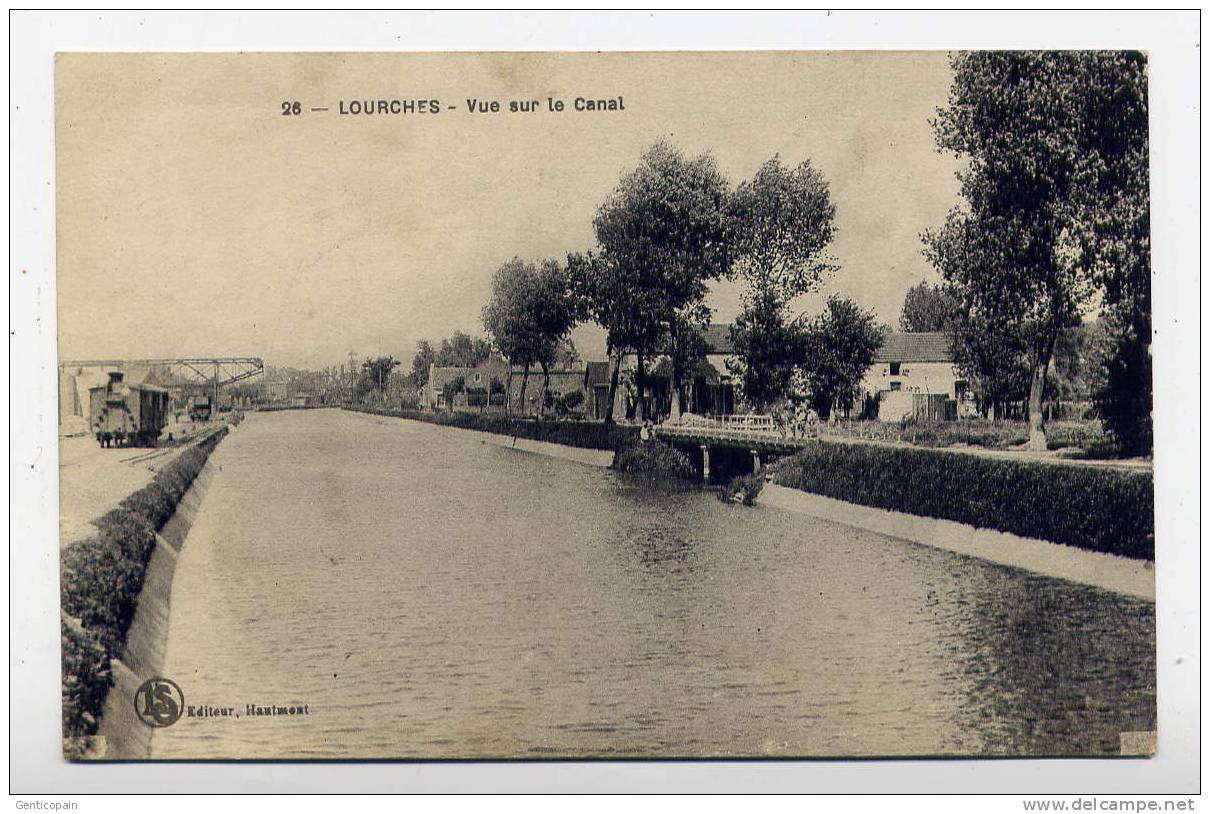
(209, 371)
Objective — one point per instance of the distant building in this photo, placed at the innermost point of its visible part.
(276, 391)
(495, 367)
(911, 367)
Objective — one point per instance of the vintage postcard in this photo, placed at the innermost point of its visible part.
(605, 405)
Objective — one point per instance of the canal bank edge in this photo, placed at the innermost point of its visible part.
(589, 455)
(105, 684)
(1106, 571)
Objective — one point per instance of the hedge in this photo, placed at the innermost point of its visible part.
(583, 434)
(1093, 508)
(100, 581)
(654, 461)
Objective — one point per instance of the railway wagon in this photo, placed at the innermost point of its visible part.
(127, 414)
(199, 409)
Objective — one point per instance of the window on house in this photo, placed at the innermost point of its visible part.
(896, 385)
(478, 377)
(894, 368)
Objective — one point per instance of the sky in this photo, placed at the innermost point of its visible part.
(193, 218)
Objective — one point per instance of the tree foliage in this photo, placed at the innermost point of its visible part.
(376, 375)
(767, 348)
(664, 231)
(530, 314)
(459, 350)
(781, 223)
(612, 295)
(928, 308)
(1055, 196)
(423, 359)
(462, 350)
(838, 347)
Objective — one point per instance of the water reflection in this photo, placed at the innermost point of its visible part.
(431, 596)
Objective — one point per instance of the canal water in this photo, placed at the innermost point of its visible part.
(423, 594)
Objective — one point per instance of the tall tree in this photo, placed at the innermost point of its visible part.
(423, 359)
(688, 352)
(665, 224)
(768, 347)
(509, 319)
(611, 295)
(1111, 228)
(1038, 130)
(378, 370)
(554, 314)
(781, 223)
(529, 315)
(839, 346)
(928, 308)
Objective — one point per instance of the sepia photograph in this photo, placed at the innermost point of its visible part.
(595, 402)
(613, 405)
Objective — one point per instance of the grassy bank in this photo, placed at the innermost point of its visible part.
(1087, 436)
(1090, 508)
(100, 580)
(582, 434)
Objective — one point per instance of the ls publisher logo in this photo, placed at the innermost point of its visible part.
(159, 702)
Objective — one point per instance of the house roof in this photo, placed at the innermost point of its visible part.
(915, 347)
(718, 339)
(596, 373)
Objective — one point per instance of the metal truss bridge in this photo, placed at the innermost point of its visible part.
(208, 371)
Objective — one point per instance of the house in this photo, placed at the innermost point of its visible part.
(478, 377)
(596, 389)
(711, 392)
(910, 368)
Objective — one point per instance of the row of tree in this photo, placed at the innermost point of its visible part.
(671, 227)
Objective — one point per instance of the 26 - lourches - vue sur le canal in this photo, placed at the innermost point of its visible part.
(809, 417)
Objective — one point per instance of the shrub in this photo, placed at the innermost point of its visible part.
(174, 480)
(100, 581)
(987, 434)
(1124, 397)
(654, 460)
(153, 502)
(1093, 508)
(86, 680)
(100, 587)
(743, 489)
(1087, 435)
(132, 532)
